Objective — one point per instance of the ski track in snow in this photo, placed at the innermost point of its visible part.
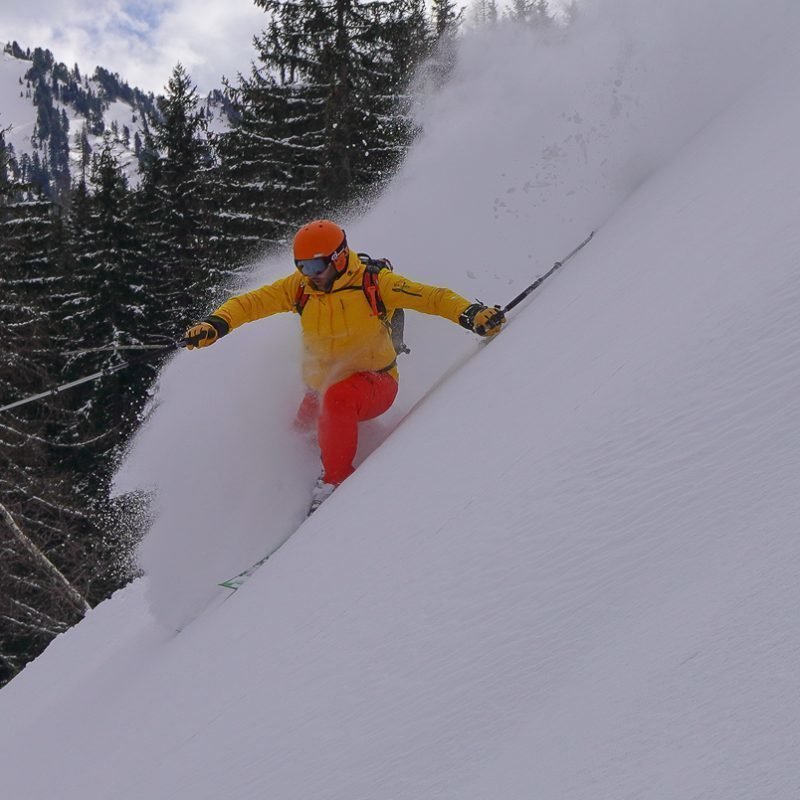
(585, 584)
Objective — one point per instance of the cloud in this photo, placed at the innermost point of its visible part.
(142, 40)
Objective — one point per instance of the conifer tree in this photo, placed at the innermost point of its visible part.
(341, 52)
(268, 163)
(108, 306)
(40, 514)
(322, 120)
(6, 187)
(62, 293)
(520, 10)
(408, 42)
(532, 12)
(172, 206)
(446, 19)
(484, 13)
(446, 23)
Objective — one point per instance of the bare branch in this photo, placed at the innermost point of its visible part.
(74, 596)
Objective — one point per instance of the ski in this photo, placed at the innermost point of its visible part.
(238, 580)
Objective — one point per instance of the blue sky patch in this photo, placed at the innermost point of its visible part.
(141, 16)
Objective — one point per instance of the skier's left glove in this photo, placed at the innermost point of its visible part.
(482, 320)
(205, 333)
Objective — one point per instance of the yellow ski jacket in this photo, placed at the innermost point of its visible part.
(341, 333)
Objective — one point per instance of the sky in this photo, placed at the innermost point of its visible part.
(142, 40)
(566, 566)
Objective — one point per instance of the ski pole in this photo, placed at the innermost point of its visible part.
(151, 356)
(481, 329)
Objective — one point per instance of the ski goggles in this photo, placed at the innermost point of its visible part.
(316, 266)
(312, 266)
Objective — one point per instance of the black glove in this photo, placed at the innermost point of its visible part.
(205, 333)
(483, 320)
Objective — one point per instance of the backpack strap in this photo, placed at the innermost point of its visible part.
(395, 320)
(300, 299)
(372, 291)
(373, 267)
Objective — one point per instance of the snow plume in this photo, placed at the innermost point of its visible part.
(536, 140)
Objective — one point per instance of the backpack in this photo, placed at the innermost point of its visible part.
(393, 320)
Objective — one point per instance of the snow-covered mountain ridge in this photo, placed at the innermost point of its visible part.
(55, 117)
(569, 568)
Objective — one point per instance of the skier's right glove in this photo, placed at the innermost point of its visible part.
(205, 333)
(483, 320)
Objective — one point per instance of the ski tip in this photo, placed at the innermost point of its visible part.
(232, 584)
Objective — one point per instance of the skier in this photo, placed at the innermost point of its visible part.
(350, 361)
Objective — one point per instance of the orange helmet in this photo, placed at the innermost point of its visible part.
(318, 244)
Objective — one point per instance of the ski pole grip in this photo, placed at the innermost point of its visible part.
(481, 329)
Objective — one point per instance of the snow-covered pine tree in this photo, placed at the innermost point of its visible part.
(267, 168)
(484, 13)
(405, 41)
(322, 119)
(532, 12)
(58, 296)
(40, 521)
(172, 208)
(353, 77)
(6, 183)
(26, 229)
(108, 306)
(446, 23)
(446, 18)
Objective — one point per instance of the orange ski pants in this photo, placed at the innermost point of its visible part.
(362, 396)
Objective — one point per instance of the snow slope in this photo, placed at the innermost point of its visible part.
(570, 571)
(18, 118)
(18, 114)
(16, 111)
